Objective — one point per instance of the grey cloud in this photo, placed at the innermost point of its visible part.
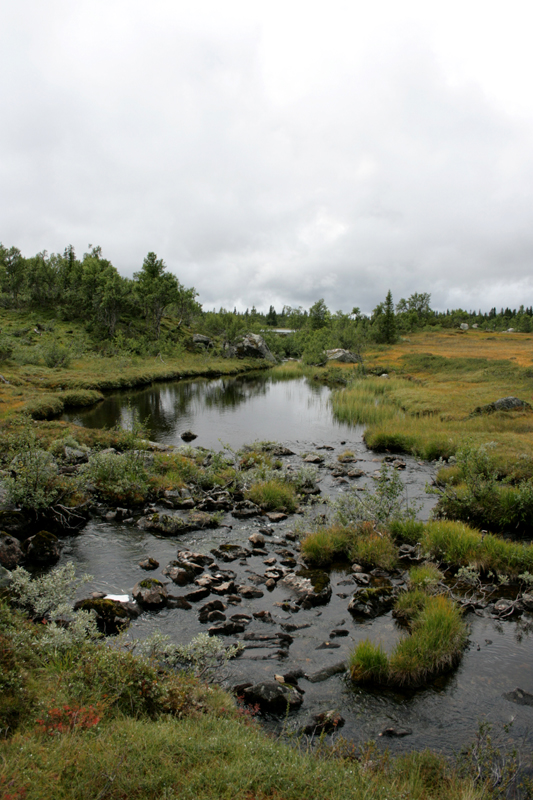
(146, 134)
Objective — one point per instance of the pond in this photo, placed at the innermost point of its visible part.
(297, 413)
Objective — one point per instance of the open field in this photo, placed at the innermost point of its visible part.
(436, 381)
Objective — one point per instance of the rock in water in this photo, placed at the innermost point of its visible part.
(273, 696)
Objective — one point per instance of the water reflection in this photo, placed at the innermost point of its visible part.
(235, 410)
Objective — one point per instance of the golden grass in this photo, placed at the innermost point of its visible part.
(436, 381)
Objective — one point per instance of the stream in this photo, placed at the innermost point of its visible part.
(297, 413)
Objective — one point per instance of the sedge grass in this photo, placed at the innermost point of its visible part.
(273, 495)
(437, 381)
(460, 545)
(360, 543)
(434, 644)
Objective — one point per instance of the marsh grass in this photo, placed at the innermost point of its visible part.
(425, 576)
(362, 543)
(457, 544)
(436, 381)
(273, 495)
(437, 636)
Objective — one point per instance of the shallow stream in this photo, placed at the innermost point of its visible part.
(235, 411)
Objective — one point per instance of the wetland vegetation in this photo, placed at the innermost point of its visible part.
(81, 718)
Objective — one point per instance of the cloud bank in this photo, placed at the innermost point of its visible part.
(269, 157)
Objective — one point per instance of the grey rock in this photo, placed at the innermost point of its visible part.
(273, 696)
(328, 672)
(150, 593)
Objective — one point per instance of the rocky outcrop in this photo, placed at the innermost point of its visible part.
(251, 345)
(504, 404)
(343, 356)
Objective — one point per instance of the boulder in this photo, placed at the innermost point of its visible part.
(273, 696)
(42, 549)
(503, 404)
(189, 436)
(343, 356)
(150, 593)
(10, 551)
(202, 341)
(311, 586)
(251, 345)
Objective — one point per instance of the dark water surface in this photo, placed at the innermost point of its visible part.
(443, 716)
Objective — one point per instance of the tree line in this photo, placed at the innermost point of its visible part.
(91, 290)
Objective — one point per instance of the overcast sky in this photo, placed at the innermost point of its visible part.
(277, 152)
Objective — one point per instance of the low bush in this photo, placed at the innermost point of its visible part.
(119, 478)
(56, 355)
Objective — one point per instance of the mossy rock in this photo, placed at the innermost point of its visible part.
(371, 602)
(43, 548)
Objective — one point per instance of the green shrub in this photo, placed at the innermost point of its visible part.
(56, 355)
(119, 478)
(32, 481)
(386, 503)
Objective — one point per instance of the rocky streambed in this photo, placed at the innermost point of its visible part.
(221, 566)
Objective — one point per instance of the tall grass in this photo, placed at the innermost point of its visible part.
(435, 642)
(273, 495)
(458, 544)
(362, 543)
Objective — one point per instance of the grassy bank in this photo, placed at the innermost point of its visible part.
(436, 381)
(81, 720)
(48, 364)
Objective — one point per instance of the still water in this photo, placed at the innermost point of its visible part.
(297, 413)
